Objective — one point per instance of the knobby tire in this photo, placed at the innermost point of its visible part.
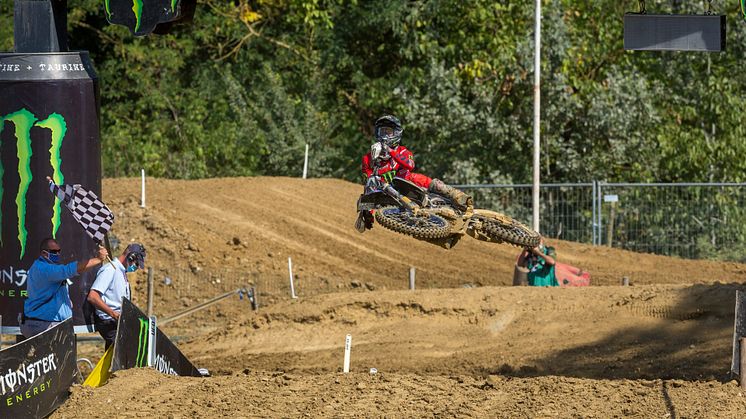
(514, 233)
(430, 226)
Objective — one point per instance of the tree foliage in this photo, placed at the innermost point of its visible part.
(244, 87)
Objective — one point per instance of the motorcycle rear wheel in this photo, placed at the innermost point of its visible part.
(425, 226)
(508, 230)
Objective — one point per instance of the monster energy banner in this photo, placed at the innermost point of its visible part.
(36, 374)
(49, 126)
(131, 346)
(145, 16)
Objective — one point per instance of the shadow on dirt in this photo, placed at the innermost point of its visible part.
(690, 340)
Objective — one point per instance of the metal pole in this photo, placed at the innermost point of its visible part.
(537, 113)
(593, 213)
(150, 291)
(411, 277)
(254, 299)
(199, 307)
(599, 213)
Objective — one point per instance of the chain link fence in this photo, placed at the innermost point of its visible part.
(689, 220)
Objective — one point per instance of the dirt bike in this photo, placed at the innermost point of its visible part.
(402, 206)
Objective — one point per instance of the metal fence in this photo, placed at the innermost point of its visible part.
(175, 289)
(690, 220)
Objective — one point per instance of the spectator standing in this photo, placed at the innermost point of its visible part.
(48, 302)
(110, 287)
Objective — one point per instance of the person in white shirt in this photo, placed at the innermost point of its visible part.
(110, 287)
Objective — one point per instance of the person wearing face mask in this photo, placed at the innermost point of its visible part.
(48, 302)
(110, 287)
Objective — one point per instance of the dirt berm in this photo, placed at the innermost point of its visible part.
(462, 344)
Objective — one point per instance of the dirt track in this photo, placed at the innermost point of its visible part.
(462, 346)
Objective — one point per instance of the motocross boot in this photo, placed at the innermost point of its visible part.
(364, 221)
(461, 200)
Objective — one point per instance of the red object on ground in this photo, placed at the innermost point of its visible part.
(570, 276)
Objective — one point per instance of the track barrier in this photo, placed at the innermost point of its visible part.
(36, 374)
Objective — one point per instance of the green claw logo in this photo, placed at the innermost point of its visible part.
(141, 17)
(23, 121)
(137, 9)
(142, 343)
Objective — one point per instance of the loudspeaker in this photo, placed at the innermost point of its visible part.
(674, 32)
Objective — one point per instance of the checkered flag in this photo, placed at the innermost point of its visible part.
(92, 214)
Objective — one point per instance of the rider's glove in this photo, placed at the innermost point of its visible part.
(379, 152)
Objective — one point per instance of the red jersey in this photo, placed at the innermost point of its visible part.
(401, 161)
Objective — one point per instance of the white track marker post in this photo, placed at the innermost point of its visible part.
(151, 340)
(305, 164)
(290, 271)
(142, 188)
(348, 348)
(411, 277)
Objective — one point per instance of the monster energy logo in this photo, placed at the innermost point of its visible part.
(142, 344)
(137, 7)
(389, 176)
(137, 10)
(23, 121)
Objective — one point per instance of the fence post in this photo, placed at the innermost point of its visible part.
(305, 164)
(150, 291)
(599, 213)
(625, 281)
(743, 363)
(593, 213)
(142, 190)
(610, 229)
(253, 299)
(348, 349)
(411, 277)
(292, 286)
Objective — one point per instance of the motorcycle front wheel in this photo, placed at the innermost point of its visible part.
(420, 226)
(501, 228)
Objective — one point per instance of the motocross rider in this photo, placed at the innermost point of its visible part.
(388, 158)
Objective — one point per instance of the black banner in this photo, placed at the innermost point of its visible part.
(36, 374)
(131, 346)
(142, 16)
(49, 126)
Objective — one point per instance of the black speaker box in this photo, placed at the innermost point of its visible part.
(674, 32)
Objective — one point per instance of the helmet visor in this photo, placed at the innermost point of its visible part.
(388, 134)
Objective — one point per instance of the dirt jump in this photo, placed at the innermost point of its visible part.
(464, 343)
